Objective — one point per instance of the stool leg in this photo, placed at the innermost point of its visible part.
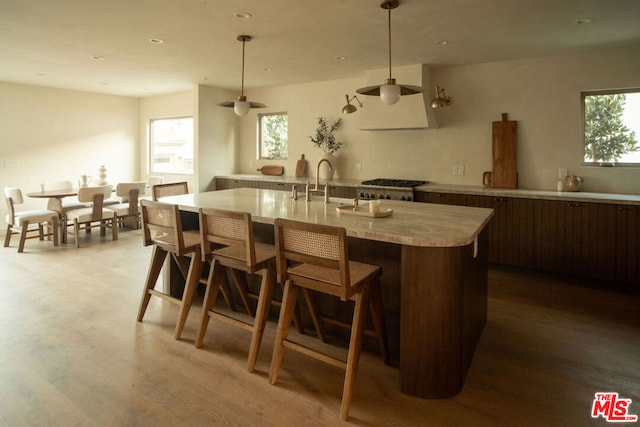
(355, 343)
(284, 323)
(379, 322)
(240, 280)
(214, 282)
(155, 266)
(318, 323)
(193, 280)
(262, 312)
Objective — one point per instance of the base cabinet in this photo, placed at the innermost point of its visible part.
(592, 240)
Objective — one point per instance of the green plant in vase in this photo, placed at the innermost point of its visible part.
(324, 137)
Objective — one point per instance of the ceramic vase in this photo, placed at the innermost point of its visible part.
(325, 172)
(102, 175)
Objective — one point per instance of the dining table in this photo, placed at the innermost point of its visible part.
(55, 203)
(435, 271)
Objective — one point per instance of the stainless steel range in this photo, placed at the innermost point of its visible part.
(389, 189)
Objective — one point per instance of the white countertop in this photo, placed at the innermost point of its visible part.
(574, 196)
(411, 224)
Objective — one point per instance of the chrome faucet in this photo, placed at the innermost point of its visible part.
(317, 188)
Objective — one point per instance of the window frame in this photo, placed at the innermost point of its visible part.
(583, 95)
(259, 134)
(151, 152)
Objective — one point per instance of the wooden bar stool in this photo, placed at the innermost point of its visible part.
(162, 228)
(312, 256)
(230, 234)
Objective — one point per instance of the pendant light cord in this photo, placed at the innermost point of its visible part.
(389, 27)
(242, 84)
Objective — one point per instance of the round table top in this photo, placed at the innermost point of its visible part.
(53, 193)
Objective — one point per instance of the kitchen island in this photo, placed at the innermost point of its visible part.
(436, 253)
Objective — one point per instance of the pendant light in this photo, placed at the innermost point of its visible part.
(389, 92)
(241, 106)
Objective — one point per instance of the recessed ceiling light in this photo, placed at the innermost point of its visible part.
(104, 83)
(267, 69)
(97, 57)
(442, 42)
(585, 21)
(156, 41)
(243, 15)
(206, 79)
(341, 58)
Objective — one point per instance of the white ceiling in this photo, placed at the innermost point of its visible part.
(54, 42)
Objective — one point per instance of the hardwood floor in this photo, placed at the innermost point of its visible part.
(72, 353)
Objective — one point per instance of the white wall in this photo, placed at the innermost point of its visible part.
(217, 135)
(54, 135)
(542, 94)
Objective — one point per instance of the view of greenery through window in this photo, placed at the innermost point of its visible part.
(171, 145)
(612, 127)
(273, 135)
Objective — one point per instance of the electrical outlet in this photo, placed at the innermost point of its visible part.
(358, 167)
(562, 173)
(10, 164)
(458, 170)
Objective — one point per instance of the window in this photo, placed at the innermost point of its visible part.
(611, 127)
(171, 145)
(273, 135)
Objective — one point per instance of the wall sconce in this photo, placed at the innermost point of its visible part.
(349, 108)
(441, 99)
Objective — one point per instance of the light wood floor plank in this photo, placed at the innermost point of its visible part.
(72, 353)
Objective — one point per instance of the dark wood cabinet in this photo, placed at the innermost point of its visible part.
(587, 239)
(627, 232)
(347, 192)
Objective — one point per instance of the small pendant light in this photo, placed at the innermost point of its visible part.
(241, 106)
(389, 92)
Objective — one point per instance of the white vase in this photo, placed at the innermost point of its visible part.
(102, 175)
(325, 172)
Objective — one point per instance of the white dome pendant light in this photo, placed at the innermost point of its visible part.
(389, 92)
(241, 106)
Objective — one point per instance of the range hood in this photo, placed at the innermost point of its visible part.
(411, 112)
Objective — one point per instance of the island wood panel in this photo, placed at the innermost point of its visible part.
(444, 293)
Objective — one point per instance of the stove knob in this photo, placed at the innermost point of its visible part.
(380, 196)
(403, 198)
(388, 197)
(362, 194)
(408, 198)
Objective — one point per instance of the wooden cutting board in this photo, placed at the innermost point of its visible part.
(301, 167)
(271, 170)
(505, 139)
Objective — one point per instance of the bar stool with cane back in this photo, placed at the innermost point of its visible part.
(313, 256)
(162, 228)
(228, 243)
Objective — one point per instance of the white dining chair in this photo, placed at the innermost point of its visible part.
(19, 222)
(96, 215)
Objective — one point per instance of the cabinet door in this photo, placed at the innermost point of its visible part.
(343, 192)
(627, 259)
(575, 238)
(443, 198)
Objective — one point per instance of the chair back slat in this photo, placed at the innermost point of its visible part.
(15, 194)
(85, 194)
(317, 245)
(161, 226)
(228, 229)
(170, 189)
